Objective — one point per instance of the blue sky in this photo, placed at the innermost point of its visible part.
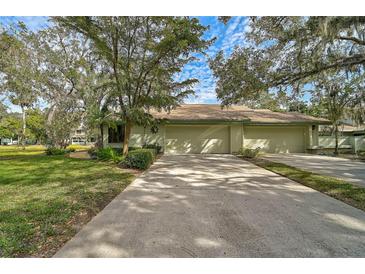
(228, 36)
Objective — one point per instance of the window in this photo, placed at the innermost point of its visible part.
(79, 131)
(116, 135)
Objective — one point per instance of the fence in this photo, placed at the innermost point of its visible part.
(356, 142)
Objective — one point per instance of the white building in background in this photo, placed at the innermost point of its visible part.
(8, 141)
(79, 137)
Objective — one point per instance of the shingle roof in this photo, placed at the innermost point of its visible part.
(346, 128)
(198, 112)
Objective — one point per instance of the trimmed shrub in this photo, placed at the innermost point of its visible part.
(140, 158)
(119, 150)
(156, 147)
(92, 152)
(107, 154)
(249, 152)
(56, 151)
(73, 148)
(133, 148)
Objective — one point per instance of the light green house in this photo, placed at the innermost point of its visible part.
(192, 129)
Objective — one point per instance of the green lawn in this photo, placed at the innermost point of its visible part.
(336, 188)
(44, 200)
(13, 151)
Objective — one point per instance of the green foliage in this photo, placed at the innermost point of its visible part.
(18, 151)
(287, 53)
(156, 147)
(56, 151)
(143, 55)
(67, 78)
(132, 148)
(10, 126)
(42, 199)
(70, 149)
(19, 70)
(107, 154)
(77, 147)
(3, 110)
(249, 152)
(140, 158)
(92, 152)
(36, 121)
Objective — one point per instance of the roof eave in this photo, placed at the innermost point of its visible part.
(204, 121)
(243, 121)
(290, 123)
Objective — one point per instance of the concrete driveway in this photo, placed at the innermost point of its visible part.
(350, 170)
(219, 206)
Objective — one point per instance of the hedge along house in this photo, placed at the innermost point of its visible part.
(194, 129)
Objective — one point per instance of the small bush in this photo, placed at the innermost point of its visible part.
(109, 153)
(133, 148)
(56, 151)
(73, 148)
(140, 158)
(92, 152)
(119, 150)
(249, 152)
(156, 147)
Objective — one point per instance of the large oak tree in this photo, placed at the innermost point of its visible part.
(286, 53)
(144, 54)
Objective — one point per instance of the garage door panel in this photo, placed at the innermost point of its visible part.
(275, 139)
(196, 139)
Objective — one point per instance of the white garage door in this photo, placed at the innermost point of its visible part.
(194, 139)
(275, 139)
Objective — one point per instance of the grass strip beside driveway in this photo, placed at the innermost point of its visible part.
(334, 187)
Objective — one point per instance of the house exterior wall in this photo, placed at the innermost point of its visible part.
(356, 142)
(224, 138)
(139, 136)
(236, 138)
(276, 139)
(315, 136)
(184, 139)
(330, 141)
(359, 143)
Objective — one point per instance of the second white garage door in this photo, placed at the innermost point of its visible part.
(194, 139)
(275, 139)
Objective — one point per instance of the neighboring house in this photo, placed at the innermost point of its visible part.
(344, 130)
(350, 138)
(8, 141)
(79, 137)
(211, 129)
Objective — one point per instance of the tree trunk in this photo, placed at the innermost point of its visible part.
(336, 139)
(24, 126)
(127, 133)
(101, 139)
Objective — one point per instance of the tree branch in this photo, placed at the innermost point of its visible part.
(353, 39)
